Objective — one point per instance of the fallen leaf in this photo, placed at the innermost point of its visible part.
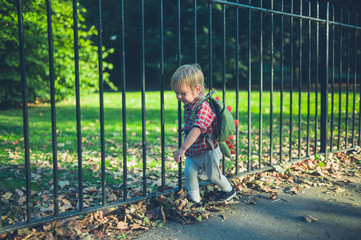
(273, 196)
(205, 215)
(7, 195)
(47, 227)
(21, 200)
(138, 227)
(163, 214)
(181, 192)
(122, 225)
(45, 197)
(18, 191)
(63, 183)
(309, 219)
(180, 204)
(214, 209)
(267, 189)
(90, 190)
(65, 207)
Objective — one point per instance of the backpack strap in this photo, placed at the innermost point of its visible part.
(194, 111)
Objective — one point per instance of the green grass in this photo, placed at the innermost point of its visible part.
(11, 123)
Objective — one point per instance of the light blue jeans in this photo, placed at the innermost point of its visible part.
(210, 164)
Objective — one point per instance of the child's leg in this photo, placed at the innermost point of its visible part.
(191, 176)
(214, 174)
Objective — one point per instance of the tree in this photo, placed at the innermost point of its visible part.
(111, 23)
(36, 52)
(112, 36)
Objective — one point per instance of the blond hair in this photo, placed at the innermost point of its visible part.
(189, 74)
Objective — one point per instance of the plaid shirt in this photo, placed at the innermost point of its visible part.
(205, 120)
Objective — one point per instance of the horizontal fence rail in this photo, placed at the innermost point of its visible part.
(303, 55)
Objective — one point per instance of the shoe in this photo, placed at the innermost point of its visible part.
(225, 196)
(196, 204)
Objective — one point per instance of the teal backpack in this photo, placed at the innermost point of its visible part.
(226, 125)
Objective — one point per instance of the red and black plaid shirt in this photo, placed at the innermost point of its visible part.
(205, 120)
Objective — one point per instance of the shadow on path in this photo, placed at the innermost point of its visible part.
(338, 217)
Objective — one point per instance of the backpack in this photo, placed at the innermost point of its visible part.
(226, 125)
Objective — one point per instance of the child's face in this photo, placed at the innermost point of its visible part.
(187, 95)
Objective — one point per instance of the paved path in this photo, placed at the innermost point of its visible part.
(338, 217)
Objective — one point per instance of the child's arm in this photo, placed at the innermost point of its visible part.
(190, 139)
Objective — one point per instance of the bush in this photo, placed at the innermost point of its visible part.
(36, 52)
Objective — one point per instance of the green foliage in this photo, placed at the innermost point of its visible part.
(36, 52)
(112, 20)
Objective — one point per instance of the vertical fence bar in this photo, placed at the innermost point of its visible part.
(347, 77)
(210, 46)
(179, 38)
(223, 65)
(142, 80)
(354, 87)
(317, 73)
(195, 57)
(359, 121)
(249, 154)
(237, 87)
(260, 86)
(332, 79)
(53, 111)
(25, 111)
(271, 90)
(179, 59)
(101, 98)
(291, 81)
(309, 79)
(1, 222)
(282, 81)
(340, 86)
(124, 104)
(324, 82)
(300, 85)
(161, 77)
(78, 115)
(355, 79)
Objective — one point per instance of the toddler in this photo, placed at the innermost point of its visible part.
(202, 153)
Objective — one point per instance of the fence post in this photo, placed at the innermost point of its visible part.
(52, 104)
(179, 60)
(324, 81)
(25, 111)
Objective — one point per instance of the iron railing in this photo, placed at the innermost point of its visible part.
(317, 68)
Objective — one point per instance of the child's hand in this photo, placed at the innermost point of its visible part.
(178, 155)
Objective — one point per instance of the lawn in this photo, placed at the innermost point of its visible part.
(11, 122)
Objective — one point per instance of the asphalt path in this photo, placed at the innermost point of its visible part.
(317, 213)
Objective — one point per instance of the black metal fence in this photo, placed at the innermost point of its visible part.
(319, 66)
